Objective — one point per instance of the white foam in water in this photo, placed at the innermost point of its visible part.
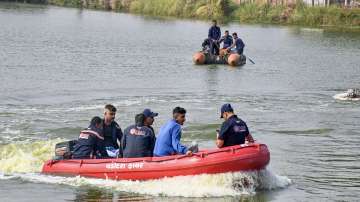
(11, 131)
(215, 185)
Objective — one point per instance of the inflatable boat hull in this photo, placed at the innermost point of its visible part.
(231, 159)
(233, 59)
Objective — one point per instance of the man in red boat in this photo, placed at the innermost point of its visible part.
(112, 133)
(139, 139)
(234, 131)
(168, 139)
(90, 142)
(149, 118)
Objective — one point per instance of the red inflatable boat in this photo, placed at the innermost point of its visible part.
(230, 159)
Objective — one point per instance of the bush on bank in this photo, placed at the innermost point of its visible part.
(227, 10)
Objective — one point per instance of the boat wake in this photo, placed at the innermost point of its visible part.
(214, 185)
(23, 162)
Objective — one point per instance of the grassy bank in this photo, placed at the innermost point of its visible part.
(226, 10)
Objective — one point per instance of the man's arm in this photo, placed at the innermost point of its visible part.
(242, 45)
(175, 141)
(248, 137)
(123, 140)
(219, 34)
(119, 135)
(221, 39)
(221, 134)
(219, 143)
(233, 44)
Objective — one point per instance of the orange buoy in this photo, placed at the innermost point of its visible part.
(233, 59)
(199, 58)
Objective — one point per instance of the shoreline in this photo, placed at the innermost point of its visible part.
(225, 11)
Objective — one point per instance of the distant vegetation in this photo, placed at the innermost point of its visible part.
(227, 10)
(27, 1)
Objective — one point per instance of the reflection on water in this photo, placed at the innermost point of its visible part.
(90, 195)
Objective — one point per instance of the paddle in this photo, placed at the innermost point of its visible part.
(250, 60)
(246, 56)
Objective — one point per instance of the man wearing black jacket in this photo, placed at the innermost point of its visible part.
(90, 142)
(112, 133)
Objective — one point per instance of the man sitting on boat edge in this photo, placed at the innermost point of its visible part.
(90, 142)
(233, 131)
(227, 40)
(238, 44)
(139, 139)
(168, 139)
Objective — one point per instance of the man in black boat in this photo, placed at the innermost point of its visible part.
(227, 40)
(90, 142)
(112, 133)
(234, 131)
(214, 36)
(238, 44)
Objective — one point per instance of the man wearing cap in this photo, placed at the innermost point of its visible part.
(139, 139)
(233, 131)
(149, 118)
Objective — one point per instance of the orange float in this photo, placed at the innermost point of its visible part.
(223, 52)
(234, 59)
(199, 58)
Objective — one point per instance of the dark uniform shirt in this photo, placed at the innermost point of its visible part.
(112, 133)
(214, 33)
(233, 131)
(138, 141)
(89, 144)
(228, 41)
(239, 45)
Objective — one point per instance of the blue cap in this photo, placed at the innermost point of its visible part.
(149, 113)
(226, 108)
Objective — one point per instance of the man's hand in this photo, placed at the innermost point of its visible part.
(188, 153)
(249, 138)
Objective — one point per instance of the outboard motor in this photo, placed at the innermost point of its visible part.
(63, 150)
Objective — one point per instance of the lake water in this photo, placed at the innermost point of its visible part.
(60, 66)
